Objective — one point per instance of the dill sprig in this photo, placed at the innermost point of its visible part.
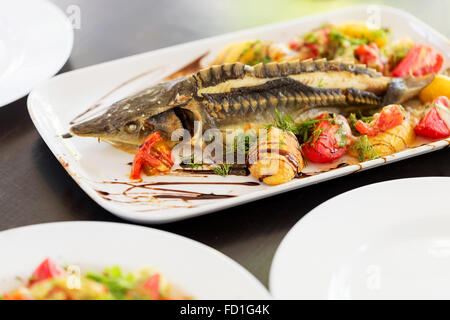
(222, 170)
(365, 149)
(284, 122)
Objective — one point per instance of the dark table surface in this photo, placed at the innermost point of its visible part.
(34, 188)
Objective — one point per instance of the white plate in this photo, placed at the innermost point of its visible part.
(35, 41)
(98, 168)
(196, 269)
(388, 240)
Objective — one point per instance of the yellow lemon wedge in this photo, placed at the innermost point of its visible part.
(440, 86)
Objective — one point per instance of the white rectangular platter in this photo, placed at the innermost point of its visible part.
(102, 171)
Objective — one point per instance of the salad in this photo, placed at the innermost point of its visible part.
(52, 282)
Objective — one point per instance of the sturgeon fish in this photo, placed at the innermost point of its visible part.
(235, 95)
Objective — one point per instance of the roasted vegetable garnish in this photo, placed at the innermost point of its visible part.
(276, 159)
(153, 156)
(435, 122)
(252, 52)
(328, 139)
(384, 143)
(420, 60)
(389, 117)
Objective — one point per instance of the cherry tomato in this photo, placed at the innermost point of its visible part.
(432, 125)
(419, 61)
(329, 140)
(389, 117)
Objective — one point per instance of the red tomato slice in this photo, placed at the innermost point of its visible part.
(326, 147)
(420, 60)
(46, 270)
(389, 117)
(151, 286)
(431, 125)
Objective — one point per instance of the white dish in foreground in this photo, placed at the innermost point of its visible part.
(102, 171)
(389, 240)
(196, 269)
(35, 41)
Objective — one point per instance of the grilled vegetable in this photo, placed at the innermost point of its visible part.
(439, 87)
(420, 60)
(153, 156)
(239, 96)
(392, 139)
(276, 158)
(329, 139)
(252, 52)
(389, 117)
(435, 123)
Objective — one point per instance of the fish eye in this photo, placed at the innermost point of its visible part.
(131, 127)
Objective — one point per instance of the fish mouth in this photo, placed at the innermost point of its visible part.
(97, 128)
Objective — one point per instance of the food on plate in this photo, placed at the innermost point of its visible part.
(253, 52)
(419, 61)
(389, 131)
(440, 86)
(337, 90)
(276, 158)
(52, 282)
(338, 42)
(435, 122)
(152, 156)
(394, 52)
(370, 55)
(327, 139)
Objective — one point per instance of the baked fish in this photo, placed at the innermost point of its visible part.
(233, 96)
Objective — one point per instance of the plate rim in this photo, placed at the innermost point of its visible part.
(68, 47)
(312, 214)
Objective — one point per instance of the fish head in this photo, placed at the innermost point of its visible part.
(131, 120)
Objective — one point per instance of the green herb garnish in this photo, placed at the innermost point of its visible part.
(222, 170)
(365, 149)
(284, 123)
